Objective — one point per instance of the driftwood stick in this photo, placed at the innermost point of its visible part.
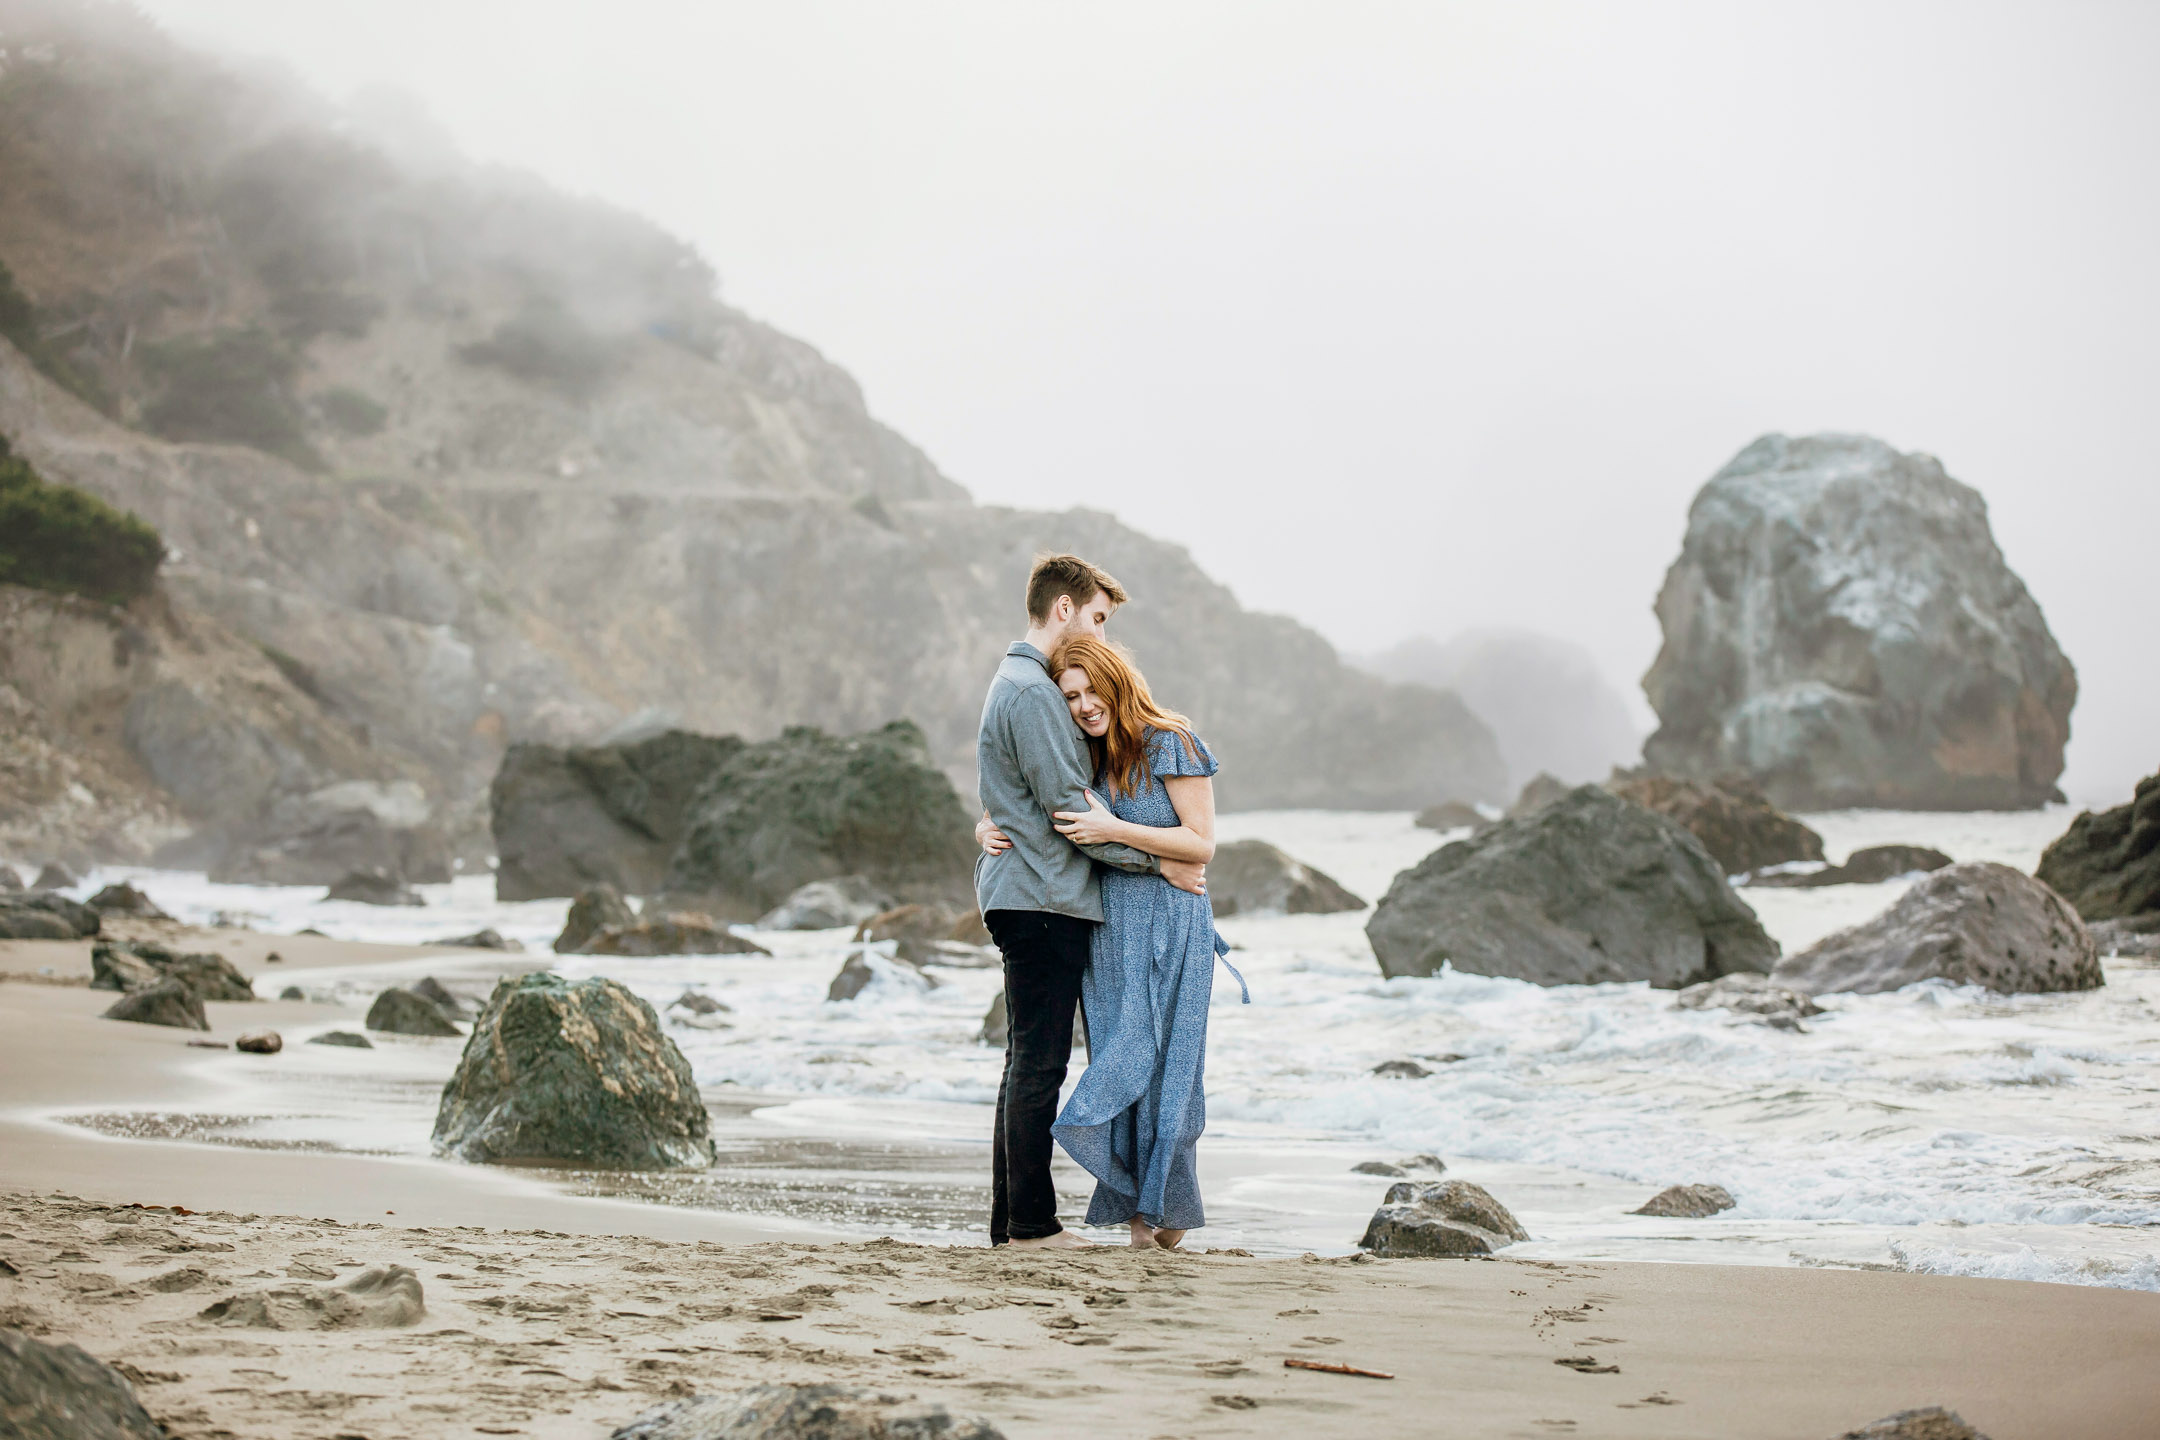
(1336, 1369)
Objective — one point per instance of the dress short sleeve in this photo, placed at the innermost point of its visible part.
(1168, 755)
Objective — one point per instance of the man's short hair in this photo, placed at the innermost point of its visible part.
(1056, 575)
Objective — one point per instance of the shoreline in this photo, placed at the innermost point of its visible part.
(564, 1315)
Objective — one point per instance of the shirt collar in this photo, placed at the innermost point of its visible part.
(1021, 647)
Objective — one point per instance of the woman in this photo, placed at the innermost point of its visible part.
(1138, 1110)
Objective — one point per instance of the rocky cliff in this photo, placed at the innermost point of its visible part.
(1841, 628)
(464, 461)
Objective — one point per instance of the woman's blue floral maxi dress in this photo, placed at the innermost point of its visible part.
(1139, 1108)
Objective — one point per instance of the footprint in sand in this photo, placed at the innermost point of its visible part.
(378, 1298)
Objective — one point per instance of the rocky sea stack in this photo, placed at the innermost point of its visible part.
(1587, 889)
(573, 1073)
(1841, 628)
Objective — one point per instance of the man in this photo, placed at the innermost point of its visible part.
(1038, 893)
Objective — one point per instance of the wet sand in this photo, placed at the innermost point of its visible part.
(564, 1316)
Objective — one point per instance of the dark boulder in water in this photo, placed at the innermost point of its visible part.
(1741, 830)
(1687, 1202)
(828, 905)
(812, 806)
(676, 932)
(1452, 815)
(375, 887)
(1841, 628)
(1978, 923)
(60, 1392)
(863, 969)
(1869, 866)
(566, 819)
(2107, 864)
(400, 1012)
(1252, 877)
(576, 1072)
(1588, 889)
(166, 1003)
(1453, 1217)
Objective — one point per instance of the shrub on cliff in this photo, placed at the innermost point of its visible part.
(232, 386)
(55, 537)
(19, 324)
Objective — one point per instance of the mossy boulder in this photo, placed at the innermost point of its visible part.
(812, 806)
(573, 1073)
(55, 537)
(2107, 863)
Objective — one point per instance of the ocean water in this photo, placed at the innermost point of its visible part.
(1939, 1129)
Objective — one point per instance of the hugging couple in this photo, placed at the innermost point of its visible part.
(1097, 903)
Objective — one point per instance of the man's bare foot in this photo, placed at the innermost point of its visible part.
(1063, 1240)
(1143, 1234)
(1168, 1239)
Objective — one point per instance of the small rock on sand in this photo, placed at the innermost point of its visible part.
(1687, 1202)
(1929, 1423)
(60, 1392)
(292, 992)
(381, 1297)
(1453, 1217)
(342, 1037)
(489, 939)
(1379, 1167)
(260, 1042)
(400, 1012)
(166, 1003)
(811, 1412)
(1400, 1070)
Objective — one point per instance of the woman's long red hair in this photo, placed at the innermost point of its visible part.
(1118, 683)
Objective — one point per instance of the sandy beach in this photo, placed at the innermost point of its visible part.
(550, 1314)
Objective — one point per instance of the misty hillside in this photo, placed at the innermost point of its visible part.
(1545, 699)
(445, 459)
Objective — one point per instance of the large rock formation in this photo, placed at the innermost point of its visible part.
(1978, 923)
(2108, 864)
(568, 817)
(42, 915)
(453, 461)
(577, 1073)
(1741, 830)
(811, 806)
(1252, 877)
(1841, 627)
(1585, 890)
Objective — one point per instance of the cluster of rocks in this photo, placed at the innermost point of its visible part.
(1871, 865)
(161, 987)
(1740, 828)
(602, 922)
(45, 915)
(576, 1073)
(734, 829)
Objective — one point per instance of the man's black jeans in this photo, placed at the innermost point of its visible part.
(1045, 955)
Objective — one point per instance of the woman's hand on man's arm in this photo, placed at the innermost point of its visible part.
(993, 840)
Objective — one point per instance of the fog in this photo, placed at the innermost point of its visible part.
(1406, 319)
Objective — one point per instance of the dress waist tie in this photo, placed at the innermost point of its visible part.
(1222, 953)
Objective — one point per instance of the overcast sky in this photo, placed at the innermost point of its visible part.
(1405, 318)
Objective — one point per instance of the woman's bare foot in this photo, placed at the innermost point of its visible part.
(1063, 1240)
(1143, 1234)
(1168, 1239)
